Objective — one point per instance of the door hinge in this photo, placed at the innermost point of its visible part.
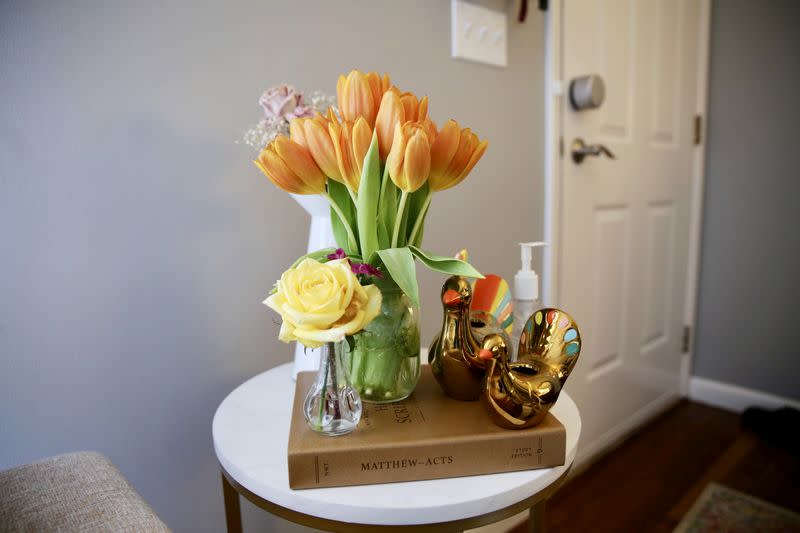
(561, 147)
(698, 129)
(687, 336)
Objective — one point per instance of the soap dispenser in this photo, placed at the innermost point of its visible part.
(526, 291)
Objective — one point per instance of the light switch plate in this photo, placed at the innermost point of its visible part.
(478, 33)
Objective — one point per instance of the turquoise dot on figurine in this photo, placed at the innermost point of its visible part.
(572, 348)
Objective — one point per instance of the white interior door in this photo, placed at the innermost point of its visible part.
(624, 230)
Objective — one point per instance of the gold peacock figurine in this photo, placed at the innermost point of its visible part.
(459, 355)
(519, 394)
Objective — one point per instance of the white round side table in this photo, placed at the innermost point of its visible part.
(251, 432)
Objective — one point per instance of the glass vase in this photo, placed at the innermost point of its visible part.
(383, 359)
(332, 406)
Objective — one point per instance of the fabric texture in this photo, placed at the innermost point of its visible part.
(80, 491)
(720, 508)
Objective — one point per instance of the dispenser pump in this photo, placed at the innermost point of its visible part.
(526, 281)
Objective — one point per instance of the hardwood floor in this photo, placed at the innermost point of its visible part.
(652, 480)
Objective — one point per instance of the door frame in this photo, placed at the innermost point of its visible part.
(554, 106)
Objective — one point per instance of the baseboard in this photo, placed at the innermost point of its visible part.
(611, 439)
(734, 397)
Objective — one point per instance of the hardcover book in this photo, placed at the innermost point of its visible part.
(426, 436)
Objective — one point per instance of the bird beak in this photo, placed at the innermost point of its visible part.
(451, 297)
(485, 354)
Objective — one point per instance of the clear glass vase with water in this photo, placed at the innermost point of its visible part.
(332, 406)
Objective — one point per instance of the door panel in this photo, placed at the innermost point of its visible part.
(611, 229)
(665, 70)
(658, 290)
(624, 229)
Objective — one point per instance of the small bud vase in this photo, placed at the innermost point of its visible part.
(332, 406)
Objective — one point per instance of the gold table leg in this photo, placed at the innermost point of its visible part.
(233, 512)
(536, 517)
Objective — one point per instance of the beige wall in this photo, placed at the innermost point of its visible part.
(138, 240)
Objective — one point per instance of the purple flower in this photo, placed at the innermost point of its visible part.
(357, 268)
(364, 268)
(338, 254)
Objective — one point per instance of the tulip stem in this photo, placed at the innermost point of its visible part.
(420, 218)
(353, 196)
(399, 218)
(350, 235)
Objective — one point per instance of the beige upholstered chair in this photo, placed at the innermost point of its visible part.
(80, 491)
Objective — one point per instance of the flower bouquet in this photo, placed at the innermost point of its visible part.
(378, 159)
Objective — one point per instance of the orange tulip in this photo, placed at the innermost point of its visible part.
(398, 108)
(360, 94)
(313, 134)
(351, 142)
(409, 159)
(290, 166)
(297, 132)
(378, 85)
(453, 155)
(390, 114)
(415, 110)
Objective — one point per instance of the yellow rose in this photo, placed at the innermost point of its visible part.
(323, 302)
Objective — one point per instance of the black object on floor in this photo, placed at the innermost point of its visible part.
(777, 427)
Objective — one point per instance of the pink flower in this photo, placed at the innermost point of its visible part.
(284, 101)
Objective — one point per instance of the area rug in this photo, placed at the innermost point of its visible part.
(721, 509)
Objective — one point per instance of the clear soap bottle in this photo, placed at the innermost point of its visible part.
(526, 291)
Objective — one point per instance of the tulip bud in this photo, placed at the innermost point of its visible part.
(296, 132)
(453, 155)
(360, 94)
(313, 134)
(409, 160)
(378, 85)
(362, 138)
(289, 166)
(416, 110)
(390, 114)
(351, 142)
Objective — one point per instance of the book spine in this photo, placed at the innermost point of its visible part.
(426, 461)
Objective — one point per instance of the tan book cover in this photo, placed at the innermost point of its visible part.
(426, 436)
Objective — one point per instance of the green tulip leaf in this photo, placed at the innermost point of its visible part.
(368, 192)
(445, 265)
(338, 193)
(400, 264)
(384, 238)
(387, 208)
(318, 255)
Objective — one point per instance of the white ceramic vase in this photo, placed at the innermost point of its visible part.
(320, 235)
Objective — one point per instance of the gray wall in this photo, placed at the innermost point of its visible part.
(749, 285)
(138, 240)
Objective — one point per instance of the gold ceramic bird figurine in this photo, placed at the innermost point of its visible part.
(519, 394)
(459, 355)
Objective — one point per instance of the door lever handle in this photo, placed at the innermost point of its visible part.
(580, 150)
